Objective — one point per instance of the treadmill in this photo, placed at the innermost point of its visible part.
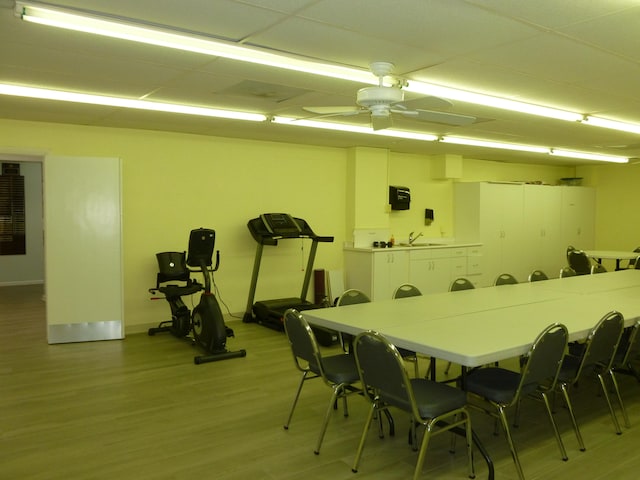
(268, 229)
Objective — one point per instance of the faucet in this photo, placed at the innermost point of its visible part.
(412, 238)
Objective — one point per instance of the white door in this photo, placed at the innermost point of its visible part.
(83, 249)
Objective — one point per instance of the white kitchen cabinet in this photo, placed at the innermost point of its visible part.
(578, 217)
(492, 214)
(432, 270)
(523, 227)
(475, 268)
(542, 229)
(376, 272)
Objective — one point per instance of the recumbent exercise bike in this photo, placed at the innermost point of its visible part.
(206, 322)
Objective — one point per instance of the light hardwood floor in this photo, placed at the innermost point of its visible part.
(140, 409)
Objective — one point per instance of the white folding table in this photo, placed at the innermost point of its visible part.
(480, 326)
(616, 255)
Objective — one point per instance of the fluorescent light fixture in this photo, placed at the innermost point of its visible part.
(612, 124)
(122, 29)
(588, 156)
(344, 127)
(491, 101)
(47, 94)
(488, 144)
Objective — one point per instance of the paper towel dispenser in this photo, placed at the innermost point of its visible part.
(399, 197)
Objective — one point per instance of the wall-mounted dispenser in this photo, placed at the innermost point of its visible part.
(399, 197)
(428, 216)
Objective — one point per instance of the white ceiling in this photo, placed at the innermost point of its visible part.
(579, 55)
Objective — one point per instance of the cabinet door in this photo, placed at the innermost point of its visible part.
(440, 275)
(542, 245)
(390, 270)
(578, 217)
(432, 270)
(359, 269)
(501, 229)
(475, 267)
(420, 269)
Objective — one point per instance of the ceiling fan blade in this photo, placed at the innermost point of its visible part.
(336, 110)
(380, 122)
(426, 103)
(438, 117)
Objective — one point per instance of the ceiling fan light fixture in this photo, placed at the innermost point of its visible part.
(372, 96)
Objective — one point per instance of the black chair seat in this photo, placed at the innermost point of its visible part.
(339, 369)
(496, 384)
(434, 399)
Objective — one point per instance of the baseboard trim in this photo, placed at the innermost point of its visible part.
(21, 283)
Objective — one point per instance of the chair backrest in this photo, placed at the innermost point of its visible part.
(303, 342)
(537, 276)
(633, 263)
(570, 248)
(544, 359)
(407, 290)
(629, 347)
(602, 342)
(567, 272)
(598, 268)
(505, 279)
(580, 262)
(382, 370)
(461, 284)
(351, 297)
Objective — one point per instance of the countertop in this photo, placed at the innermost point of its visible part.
(415, 246)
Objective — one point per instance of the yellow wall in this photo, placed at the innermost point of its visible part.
(617, 201)
(175, 182)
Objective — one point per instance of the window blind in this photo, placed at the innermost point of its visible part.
(12, 215)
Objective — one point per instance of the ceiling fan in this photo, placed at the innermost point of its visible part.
(381, 101)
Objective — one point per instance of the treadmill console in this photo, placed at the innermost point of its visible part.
(281, 224)
(268, 228)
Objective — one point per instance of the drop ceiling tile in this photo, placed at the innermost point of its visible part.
(327, 43)
(616, 33)
(553, 14)
(441, 28)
